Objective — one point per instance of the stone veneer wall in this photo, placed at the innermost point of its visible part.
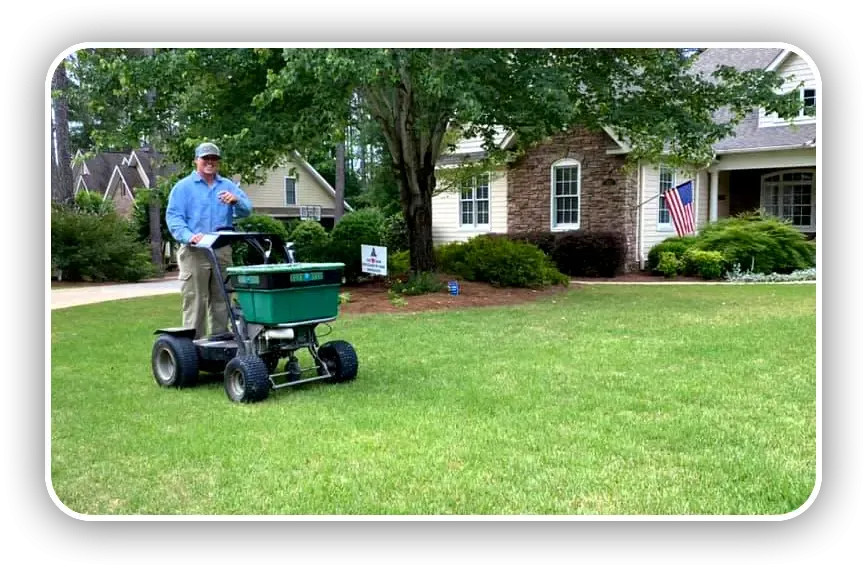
(607, 192)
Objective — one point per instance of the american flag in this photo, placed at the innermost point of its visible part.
(679, 202)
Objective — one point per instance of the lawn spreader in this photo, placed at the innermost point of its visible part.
(277, 307)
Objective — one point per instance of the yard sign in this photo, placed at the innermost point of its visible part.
(374, 260)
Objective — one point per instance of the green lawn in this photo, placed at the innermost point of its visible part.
(604, 400)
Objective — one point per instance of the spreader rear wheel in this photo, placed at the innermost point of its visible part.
(246, 379)
(174, 361)
(340, 359)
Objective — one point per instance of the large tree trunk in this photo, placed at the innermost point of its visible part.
(419, 221)
(154, 202)
(63, 192)
(55, 171)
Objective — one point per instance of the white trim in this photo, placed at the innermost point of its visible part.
(108, 186)
(475, 226)
(664, 227)
(804, 228)
(552, 188)
(318, 177)
(294, 190)
(811, 144)
(140, 168)
(778, 60)
(78, 183)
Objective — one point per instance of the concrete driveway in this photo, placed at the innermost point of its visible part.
(74, 296)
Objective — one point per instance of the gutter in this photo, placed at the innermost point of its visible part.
(640, 224)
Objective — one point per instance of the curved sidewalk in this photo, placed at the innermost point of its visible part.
(77, 295)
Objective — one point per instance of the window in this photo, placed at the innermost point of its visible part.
(667, 180)
(791, 195)
(289, 190)
(808, 96)
(565, 195)
(475, 202)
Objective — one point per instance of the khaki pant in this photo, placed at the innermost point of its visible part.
(201, 293)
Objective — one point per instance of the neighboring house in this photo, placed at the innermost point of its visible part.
(117, 175)
(576, 179)
(293, 190)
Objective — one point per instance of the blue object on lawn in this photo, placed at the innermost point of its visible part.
(454, 288)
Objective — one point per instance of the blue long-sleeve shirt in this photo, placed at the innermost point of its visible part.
(194, 208)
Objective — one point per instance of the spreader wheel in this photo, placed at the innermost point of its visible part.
(340, 359)
(246, 379)
(174, 361)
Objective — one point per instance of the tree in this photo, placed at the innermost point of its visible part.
(260, 103)
(61, 158)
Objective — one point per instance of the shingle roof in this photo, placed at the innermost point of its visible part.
(748, 135)
(100, 167)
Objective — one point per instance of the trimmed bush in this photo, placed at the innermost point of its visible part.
(501, 262)
(242, 254)
(310, 241)
(761, 244)
(589, 254)
(544, 240)
(706, 264)
(88, 246)
(669, 265)
(357, 228)
(398, 264)
(676, 245)
(418, 283)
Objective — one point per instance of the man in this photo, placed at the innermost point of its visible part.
(201, 203)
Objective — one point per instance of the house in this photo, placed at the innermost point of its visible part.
(117, 175)
(294, 190)
(577, 179)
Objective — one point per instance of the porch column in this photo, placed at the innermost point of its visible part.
(714, 195)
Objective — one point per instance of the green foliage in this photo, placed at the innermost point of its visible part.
(501, 262)
(92, 202)
(418, 283)
(763, 244)
(242, 254)
(398, 265)
(669, 265)
(706, 264)
(89, 246)
(357, 228)
(396, 233)
(676, 245)
(544, 240)
(141, 211)
(311, 242)
(589, 253)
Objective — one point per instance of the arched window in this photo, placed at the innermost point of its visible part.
(791, 194)
(565, 195)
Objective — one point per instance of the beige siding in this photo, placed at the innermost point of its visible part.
(795, 69)
(271, 192)
(446, 213)
(652, 232)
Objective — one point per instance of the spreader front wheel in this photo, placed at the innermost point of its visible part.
(340, 359)
(246, 379)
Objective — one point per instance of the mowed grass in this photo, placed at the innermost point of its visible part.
(601, 400)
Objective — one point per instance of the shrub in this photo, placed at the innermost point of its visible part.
(589, 254)
(357, 228)
(418, 283)
(97, 247)
(398, 264)
(764, 244)
(706, 264)
(544, 240)
(669, 265)
(242, 254)
(501, 262)
(92, 202)
(676, 245)
(396, 233)
(310, 241)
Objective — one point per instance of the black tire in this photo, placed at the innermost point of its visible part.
(246, 379)
(339, 356)
(174, 361)
(271, 362)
